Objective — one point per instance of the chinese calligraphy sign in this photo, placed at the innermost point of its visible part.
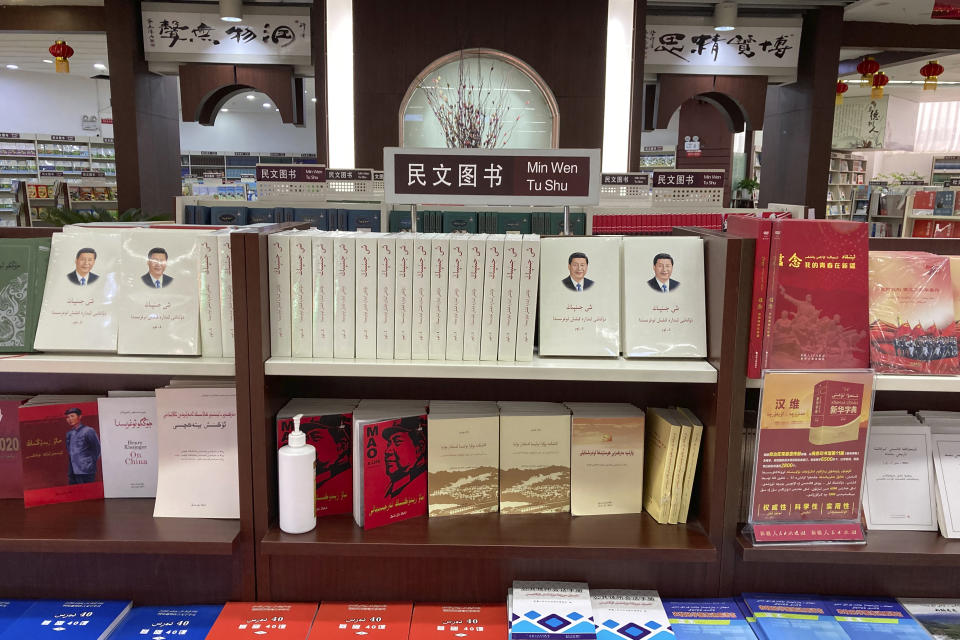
(748, 46)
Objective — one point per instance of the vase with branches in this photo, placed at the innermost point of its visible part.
(474, 114)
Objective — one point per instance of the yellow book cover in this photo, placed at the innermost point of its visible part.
(676, 487)
(661, 441)
(693, 453)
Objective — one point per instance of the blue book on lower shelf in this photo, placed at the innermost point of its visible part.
(82, 619)
(875, 619)
(167, 623)
(793, 617)
(11, 610)
(707, 618)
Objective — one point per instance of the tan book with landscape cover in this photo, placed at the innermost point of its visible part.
(693, 454)
(463, 458)
(661, 441)
(606, 458)
(676, 487)
(534, 457)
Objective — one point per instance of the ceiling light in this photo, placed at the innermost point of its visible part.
(725, 16)
(313, 99)
(12, 66)
(276, 109)
(266, 105)
(49, 61)
(224, 109)
(250, 96)
(99, 65)
(231, 10)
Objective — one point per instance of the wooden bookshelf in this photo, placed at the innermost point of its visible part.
(916, 549)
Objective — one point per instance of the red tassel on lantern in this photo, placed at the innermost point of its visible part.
(61, 52)
(867, 68)
(930, 73)
(841, 89)
(880, 79)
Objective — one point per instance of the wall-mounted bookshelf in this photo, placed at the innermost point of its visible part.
(847, 173)
(234, 164)
(25, 155)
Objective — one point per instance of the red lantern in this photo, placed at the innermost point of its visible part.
(867, 67)
(930, 73)
(61, 52)
(880, 79)
(841, 89)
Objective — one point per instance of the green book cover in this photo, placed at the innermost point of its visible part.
(15, 282)
(513, 222)
(462, 221)
(41, 258)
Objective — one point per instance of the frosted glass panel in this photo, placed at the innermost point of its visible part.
(526, 115)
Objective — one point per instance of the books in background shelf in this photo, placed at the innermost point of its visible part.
(90, 619)
(661, 444)
(198, 463)
(23, 272)
(624, 613)
(760, 229)
(534, 457)
(606, 458)
(817, 294)
(913, 326)
(60, 440)
(551, 611)
(943, 202)
(664, 302)
(11, 472)
(941, 618)
(191, 622)
(328, 425)
(707, 617)
(924, 202)
(583, 322)
(872, 618)
(128, 438)
(264, 620)
(463, 458)
(350, 619)
(389, 461)
(438, 621)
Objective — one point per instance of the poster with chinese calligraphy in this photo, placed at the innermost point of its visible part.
(194, 33)
(860, 123)
(811, 444)
(749, 50)
(492, 176)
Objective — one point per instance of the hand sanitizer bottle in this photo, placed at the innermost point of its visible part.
(296, 468)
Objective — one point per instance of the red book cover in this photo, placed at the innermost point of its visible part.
(817, 296)
(395, 470)
(264, 620)
(942, 229)
(60, 445)
(924, 202)
(922, 229)
(453, 621)
(332, 436)
(11, 474)
(383, 621)
(760, 229)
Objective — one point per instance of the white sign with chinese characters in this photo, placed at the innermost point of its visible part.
(195, 33)
(698, 49)
(860, 123)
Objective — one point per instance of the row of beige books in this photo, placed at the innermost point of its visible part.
(390, 460)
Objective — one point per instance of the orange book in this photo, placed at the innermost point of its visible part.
(453, 621)
(380, 620)
(238, 620)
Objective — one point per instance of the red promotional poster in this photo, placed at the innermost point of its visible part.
(817, 294)
(264, 620)
(60, 445)
(331, 435)
(913, 327)
(453, 621)
(760, 230)
(811, 441)
(11, 476)
(395, 470)
(383, 621)
(946, 9)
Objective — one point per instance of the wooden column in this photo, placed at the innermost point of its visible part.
(798, 127)
(318, 41)
(146, 117)
(700, 118)
(637, 90)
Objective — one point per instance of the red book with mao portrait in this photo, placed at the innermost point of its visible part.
(817, 296)
(60, 446)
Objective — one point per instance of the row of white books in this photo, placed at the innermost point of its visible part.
(142, 291)
(404, 296)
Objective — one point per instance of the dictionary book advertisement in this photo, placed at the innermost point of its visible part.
(810, 456)
(128, 438)
(817, 296)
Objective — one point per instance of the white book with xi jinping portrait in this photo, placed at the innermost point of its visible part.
(664, 299)
(580, 296)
